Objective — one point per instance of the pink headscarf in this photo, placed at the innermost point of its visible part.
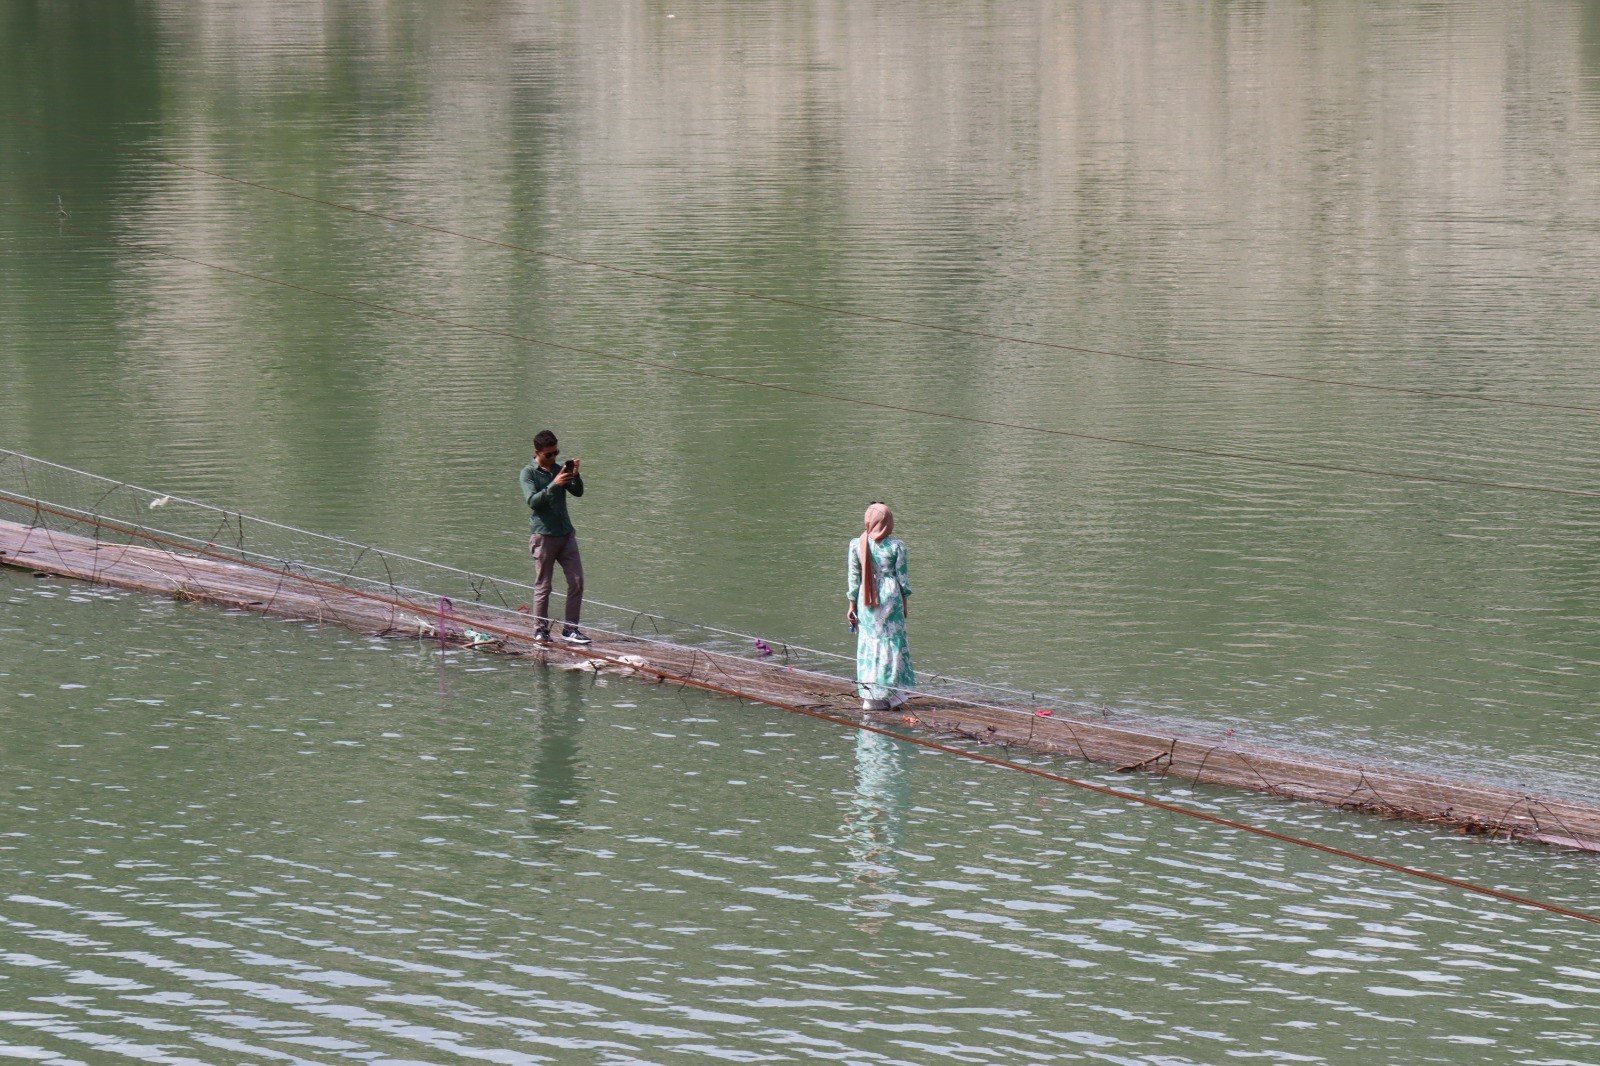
(880, 523)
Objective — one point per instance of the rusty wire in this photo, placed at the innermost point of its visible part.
(705, 684)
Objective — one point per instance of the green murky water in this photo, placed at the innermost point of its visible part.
(228, 839)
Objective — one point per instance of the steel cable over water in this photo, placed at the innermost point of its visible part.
(785, 301)
(347, 563)
(286, 572)
(479, 585)
(1204, 453)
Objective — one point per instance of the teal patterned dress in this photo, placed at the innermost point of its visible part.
(883, 656)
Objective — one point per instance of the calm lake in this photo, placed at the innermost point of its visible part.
(1233, 363)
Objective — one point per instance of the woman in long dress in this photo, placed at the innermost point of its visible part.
(878, 590)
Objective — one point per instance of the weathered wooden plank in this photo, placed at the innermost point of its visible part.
(1387, 792)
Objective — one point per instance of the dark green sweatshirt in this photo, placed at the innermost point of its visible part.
(547, 502)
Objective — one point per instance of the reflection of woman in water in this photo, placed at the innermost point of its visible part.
(879, 589)
(874, 823)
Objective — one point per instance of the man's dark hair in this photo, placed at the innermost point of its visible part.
(543, 439)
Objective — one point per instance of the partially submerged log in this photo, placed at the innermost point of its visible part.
(194, 574)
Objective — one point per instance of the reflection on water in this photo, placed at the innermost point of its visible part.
(1589, 39)
(555, 760)
(247, 841)
(1403, 197)
(875, 821)
(225, 839)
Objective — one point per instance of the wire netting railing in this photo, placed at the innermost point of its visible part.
(40, 493)
(53, 498)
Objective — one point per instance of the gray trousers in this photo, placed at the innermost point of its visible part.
(547, 552)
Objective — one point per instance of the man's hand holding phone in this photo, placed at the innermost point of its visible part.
(569, 470)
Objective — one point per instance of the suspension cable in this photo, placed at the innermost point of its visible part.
(815, 394)
(244, 555)
(690, 680)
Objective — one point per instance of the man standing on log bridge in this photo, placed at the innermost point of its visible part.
(553, 540)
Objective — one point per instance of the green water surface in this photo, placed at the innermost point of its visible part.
(244, 840)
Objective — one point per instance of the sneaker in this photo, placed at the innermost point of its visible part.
(541, 635)
(574, 635)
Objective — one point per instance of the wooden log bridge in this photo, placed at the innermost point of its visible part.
(170, 569)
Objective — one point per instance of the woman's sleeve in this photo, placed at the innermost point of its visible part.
(854, 570)
(900, 570)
